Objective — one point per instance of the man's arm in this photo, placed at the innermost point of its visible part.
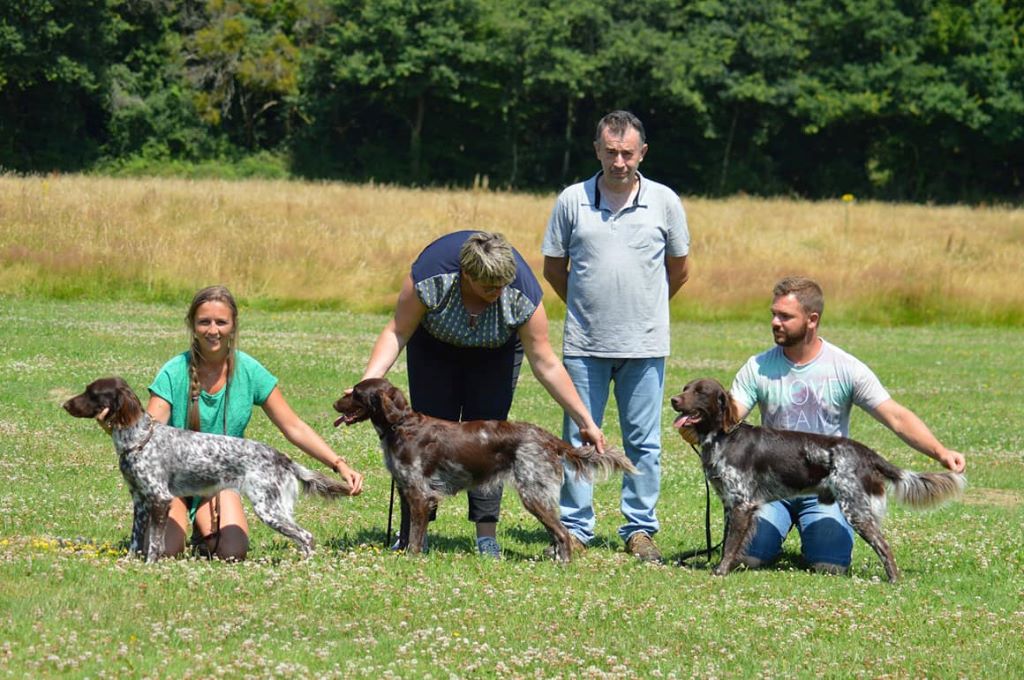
(743, 384)
(912, 430)
(678, 272)
(556, 272)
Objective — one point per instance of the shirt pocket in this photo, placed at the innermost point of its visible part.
(640, 236)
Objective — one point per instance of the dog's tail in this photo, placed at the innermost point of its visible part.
(927, 489)
(317, 484)
(588, 463)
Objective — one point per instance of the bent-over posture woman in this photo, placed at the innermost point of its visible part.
(466, 313)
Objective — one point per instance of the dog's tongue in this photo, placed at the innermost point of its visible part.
(685, 420)
(339, 421)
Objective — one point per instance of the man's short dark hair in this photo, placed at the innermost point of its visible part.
(806, 291)
(619, 122)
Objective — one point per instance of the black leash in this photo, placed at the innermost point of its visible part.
(391, 512)
(709, 549)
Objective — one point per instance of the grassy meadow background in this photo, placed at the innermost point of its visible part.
(95, 275)
(343, 246)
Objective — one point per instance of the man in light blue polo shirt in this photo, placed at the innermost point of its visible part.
(615, 251)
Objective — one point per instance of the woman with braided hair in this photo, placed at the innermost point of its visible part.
(212, 387)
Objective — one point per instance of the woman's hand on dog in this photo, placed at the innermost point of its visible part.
(351, 477)
(101, 418)
(592, 435)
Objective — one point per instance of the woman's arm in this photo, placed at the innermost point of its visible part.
(304, 437)
(409, 311)
(159, 409)
(552, 375)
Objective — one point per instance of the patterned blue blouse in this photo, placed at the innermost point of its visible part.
(435, 275)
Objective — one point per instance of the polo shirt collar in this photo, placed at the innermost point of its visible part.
(640, 191)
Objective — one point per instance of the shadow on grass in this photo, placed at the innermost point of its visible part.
(376, 538)
(535, 540)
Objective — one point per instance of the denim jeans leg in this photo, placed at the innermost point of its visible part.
(773, 524)
(825, 535)
(639, 393)
(592, 377)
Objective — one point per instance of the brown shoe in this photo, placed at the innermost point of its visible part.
(642, 546)
(576, 548)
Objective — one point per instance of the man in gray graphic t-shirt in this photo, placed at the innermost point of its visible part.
(808, 384)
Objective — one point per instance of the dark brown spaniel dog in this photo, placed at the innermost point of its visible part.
(750, 466)
(430, 458)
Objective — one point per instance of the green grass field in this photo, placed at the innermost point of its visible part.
(71, 604)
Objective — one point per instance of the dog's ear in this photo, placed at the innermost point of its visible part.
(397, 398)
(729, 411)
(392, 404)
(689, 436)
(125, 407)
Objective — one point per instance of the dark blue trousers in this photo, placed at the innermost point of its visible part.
(458, 384)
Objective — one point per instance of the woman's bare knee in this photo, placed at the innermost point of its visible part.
(232, 545)
(176, 530)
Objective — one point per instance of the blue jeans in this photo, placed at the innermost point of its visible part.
(825, 535)
(639, 391)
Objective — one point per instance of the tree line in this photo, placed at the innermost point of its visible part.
(916, 100)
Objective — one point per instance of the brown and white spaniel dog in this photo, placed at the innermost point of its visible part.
(749, 466)
(430, 458)
(160, 463)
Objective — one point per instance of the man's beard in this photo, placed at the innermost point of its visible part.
(784, 339)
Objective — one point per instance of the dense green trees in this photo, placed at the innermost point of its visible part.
(897, 99)
(54, 76)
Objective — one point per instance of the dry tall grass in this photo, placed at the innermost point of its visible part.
(346, 245)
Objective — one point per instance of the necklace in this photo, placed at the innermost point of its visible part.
(474, 319)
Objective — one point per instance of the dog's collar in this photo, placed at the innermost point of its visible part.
(390, 425)
(135, 448)
(715, 436)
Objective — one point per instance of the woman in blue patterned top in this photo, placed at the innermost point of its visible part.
(465, 314)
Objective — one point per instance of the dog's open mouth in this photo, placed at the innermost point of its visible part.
(349, 418)
(686, 420)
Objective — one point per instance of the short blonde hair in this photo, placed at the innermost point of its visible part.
(488, 258)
